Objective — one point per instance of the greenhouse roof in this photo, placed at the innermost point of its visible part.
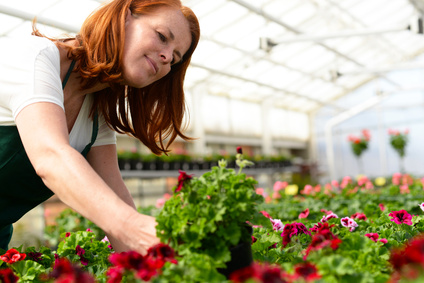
(300, 54)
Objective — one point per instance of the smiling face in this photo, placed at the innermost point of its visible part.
(153, 43)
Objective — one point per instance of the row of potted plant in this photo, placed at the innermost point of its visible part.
(134, 160)
(349, 230)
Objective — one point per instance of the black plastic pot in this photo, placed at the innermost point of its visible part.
(241, 256)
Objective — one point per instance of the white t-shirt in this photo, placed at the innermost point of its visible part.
(30, 73)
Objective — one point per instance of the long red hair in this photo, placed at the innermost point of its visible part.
(151, 114)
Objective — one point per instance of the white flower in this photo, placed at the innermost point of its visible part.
(277, 225)
(422, 206)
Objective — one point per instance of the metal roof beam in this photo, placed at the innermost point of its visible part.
(40, 19)
(320, 102)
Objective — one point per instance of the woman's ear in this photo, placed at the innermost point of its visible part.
(128, 17)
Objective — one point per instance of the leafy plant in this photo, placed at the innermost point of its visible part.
(207, 215)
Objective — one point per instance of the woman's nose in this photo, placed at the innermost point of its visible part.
(166, 55)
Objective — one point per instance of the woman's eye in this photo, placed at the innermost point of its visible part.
(162, 37)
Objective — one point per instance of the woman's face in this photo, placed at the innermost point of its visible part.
(153, 43)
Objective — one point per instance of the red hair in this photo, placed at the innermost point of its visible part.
(151, 114)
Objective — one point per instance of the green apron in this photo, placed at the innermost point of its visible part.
(21, 189)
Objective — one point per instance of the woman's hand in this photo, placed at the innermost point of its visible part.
(139, 233)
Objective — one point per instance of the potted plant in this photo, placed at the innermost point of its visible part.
(399, 141)
(207, 217)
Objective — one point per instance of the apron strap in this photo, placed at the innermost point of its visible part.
(93, 135)
(68, 73)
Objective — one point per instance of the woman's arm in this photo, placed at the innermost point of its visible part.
(104, 161)
(43, 130)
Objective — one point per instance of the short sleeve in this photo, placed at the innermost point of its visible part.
(41, 80)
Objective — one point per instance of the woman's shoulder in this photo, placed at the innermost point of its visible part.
(24, 47)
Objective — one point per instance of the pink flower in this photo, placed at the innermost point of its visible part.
(105, 239)
(89, 230)
(264, 213)
(327, 217)
(160, 202)
(278, 186)
(383, 240)
(422, 206)
(346, 181)
(260, 191)
(307, 190)
(349, 223)
(304, 213)
(404, 189)
(276, 195)
(401, 217)
(396, 178)
(335, 184)
(277, 225)
(182, 178)
(381, 205)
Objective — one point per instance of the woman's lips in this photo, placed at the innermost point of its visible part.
(153, 64)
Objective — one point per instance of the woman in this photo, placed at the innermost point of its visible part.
(63, 100)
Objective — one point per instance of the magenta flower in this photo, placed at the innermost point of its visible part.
(184, 177)
(80, 251)
(291, 230)
(359, 216)
(374, 238)
(401, 217)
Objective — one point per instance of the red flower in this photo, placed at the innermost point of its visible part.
(239, 150)
(381, 205)
(359, 215)
(12, 256)
(306, 271)
(114, 274)
(7, 276)
(127, 260)
(409, 261)
(254, 239)
(181, 179)
(321, 226)
(64, 272)
(159, 254)
(322, 239)
(260, 272)
(67, 234)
